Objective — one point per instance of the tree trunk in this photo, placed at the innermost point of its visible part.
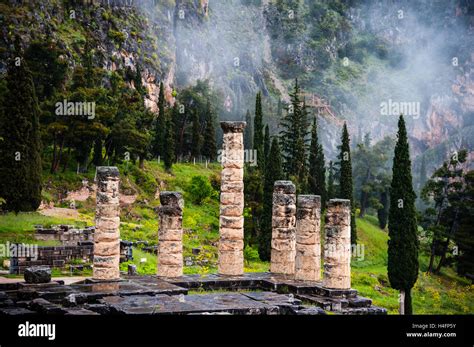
(453, 229)
(401, 301)
(60, 155)
(67, 159)
(407, 301)
(432, 255)
(141, 162)
(53, 162)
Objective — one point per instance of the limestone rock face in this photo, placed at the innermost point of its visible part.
(231, 221)
(107, 221)
(308, 243)
(283, 245)
(337, 245)
(170, 235)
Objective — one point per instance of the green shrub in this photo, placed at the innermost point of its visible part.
(251, 254)
(199, 189)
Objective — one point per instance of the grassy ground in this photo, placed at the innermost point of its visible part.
(446, 293)
(433, 294)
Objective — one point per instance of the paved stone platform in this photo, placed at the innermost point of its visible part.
(249, 294)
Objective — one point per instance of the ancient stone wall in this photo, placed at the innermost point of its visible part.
(308, 243)
(107, 232)
(337, 245)
(283, 250)
(231, 221)
(170, 235)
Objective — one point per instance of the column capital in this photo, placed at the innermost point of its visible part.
(233, 126)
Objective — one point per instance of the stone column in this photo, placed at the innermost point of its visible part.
(308, 243)
(283, 228)
(170, 235)
(337, 245)
(231, 221)
(107, 224)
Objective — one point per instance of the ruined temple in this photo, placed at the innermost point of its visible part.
(293, 285)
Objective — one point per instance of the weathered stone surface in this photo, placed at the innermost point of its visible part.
(283, 242)
(232, 198)
(231, 210)
(233, 187)
(308, 244)
(107, 248)
(170, 235)
(337, 245)
(231, 233)
(171, 222)
(172, 199)
(132, 269)
(231, 223)
(107, 232)
(37, 274)
(231, 245)
(284, 187)
(233, 126)
(231, 174)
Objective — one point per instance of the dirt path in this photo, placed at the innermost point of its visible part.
(60, 212)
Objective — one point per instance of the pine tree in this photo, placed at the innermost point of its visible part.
(273, 173)
(402, 226)
(345, 178)
(209, 149)
(20, 147)
(464, 235)
(317, 170)
(258, 130)
(248, 132)
(266, 145)
(293, 137)
(159, 139)
(196, 136)
(168, 148)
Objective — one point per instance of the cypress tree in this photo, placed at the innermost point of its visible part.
(382, 212)
(258, 130)
(160, 124)
(248, 132)
(266, 145)
(402, 227)
(345, 178)
(196, 136)
(20, 147)
(293, 137)
(331, 187)
(273, 173)
(168, 148)
(209, 149)
(317, 170)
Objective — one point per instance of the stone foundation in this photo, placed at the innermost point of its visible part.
(170, 235)
(283, 250)
(231, 220)
(308, 243)
(337, 245)
(107, 232)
